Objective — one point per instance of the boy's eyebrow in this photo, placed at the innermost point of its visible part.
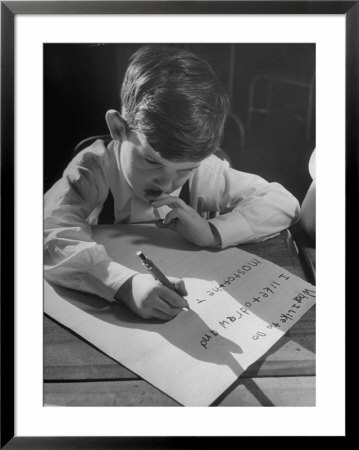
(185, 169)
(154, 159)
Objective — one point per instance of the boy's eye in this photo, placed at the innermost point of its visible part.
(190, 169)
(150, 161)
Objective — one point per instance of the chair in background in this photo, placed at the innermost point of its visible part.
(234, 136)
(270, 84)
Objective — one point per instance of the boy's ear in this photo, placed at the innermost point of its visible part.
(116, 124)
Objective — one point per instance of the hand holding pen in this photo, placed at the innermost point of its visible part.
(160, 276)
(152, 296)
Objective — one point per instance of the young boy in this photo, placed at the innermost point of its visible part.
(171, 122)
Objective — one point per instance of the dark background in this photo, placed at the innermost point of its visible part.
(83, 81)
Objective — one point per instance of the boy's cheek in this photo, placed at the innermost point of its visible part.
(140, 176)
(181, 181)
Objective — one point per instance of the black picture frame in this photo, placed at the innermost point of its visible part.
(9, 10)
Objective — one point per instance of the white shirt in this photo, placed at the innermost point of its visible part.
(251, 209)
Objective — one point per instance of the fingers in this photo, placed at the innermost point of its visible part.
(171, 225)
(172, 215)
(172, 298)
(161, 224)
(170, 219)
(163, 310)
(150, 299)
(179, 285)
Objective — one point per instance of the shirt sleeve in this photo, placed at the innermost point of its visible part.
(71, 258)
(250, 208)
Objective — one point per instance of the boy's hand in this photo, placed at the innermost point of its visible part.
(187, 222)
(148, 298)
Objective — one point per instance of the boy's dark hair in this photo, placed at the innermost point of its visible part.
(176, 100)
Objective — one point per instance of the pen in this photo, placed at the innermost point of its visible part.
(156, 272)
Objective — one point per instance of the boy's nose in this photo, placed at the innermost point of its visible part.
(164, 181)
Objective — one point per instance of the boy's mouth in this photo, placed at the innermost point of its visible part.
(152, 194)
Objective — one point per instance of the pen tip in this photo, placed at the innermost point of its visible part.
(139, 253)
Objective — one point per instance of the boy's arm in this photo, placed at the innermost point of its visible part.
(71, 258)
(251, 209)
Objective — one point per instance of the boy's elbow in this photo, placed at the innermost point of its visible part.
(285, 201)
(289, 205)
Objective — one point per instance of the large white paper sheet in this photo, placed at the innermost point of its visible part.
(240, 305)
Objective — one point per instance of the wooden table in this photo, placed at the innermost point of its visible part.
(76, 373)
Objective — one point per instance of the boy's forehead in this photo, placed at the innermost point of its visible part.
(149, 151)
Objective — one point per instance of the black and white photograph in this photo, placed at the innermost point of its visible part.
(177, 179)
(179, 224)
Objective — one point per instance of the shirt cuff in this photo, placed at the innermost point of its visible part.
(232, 228)
(105, 278)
